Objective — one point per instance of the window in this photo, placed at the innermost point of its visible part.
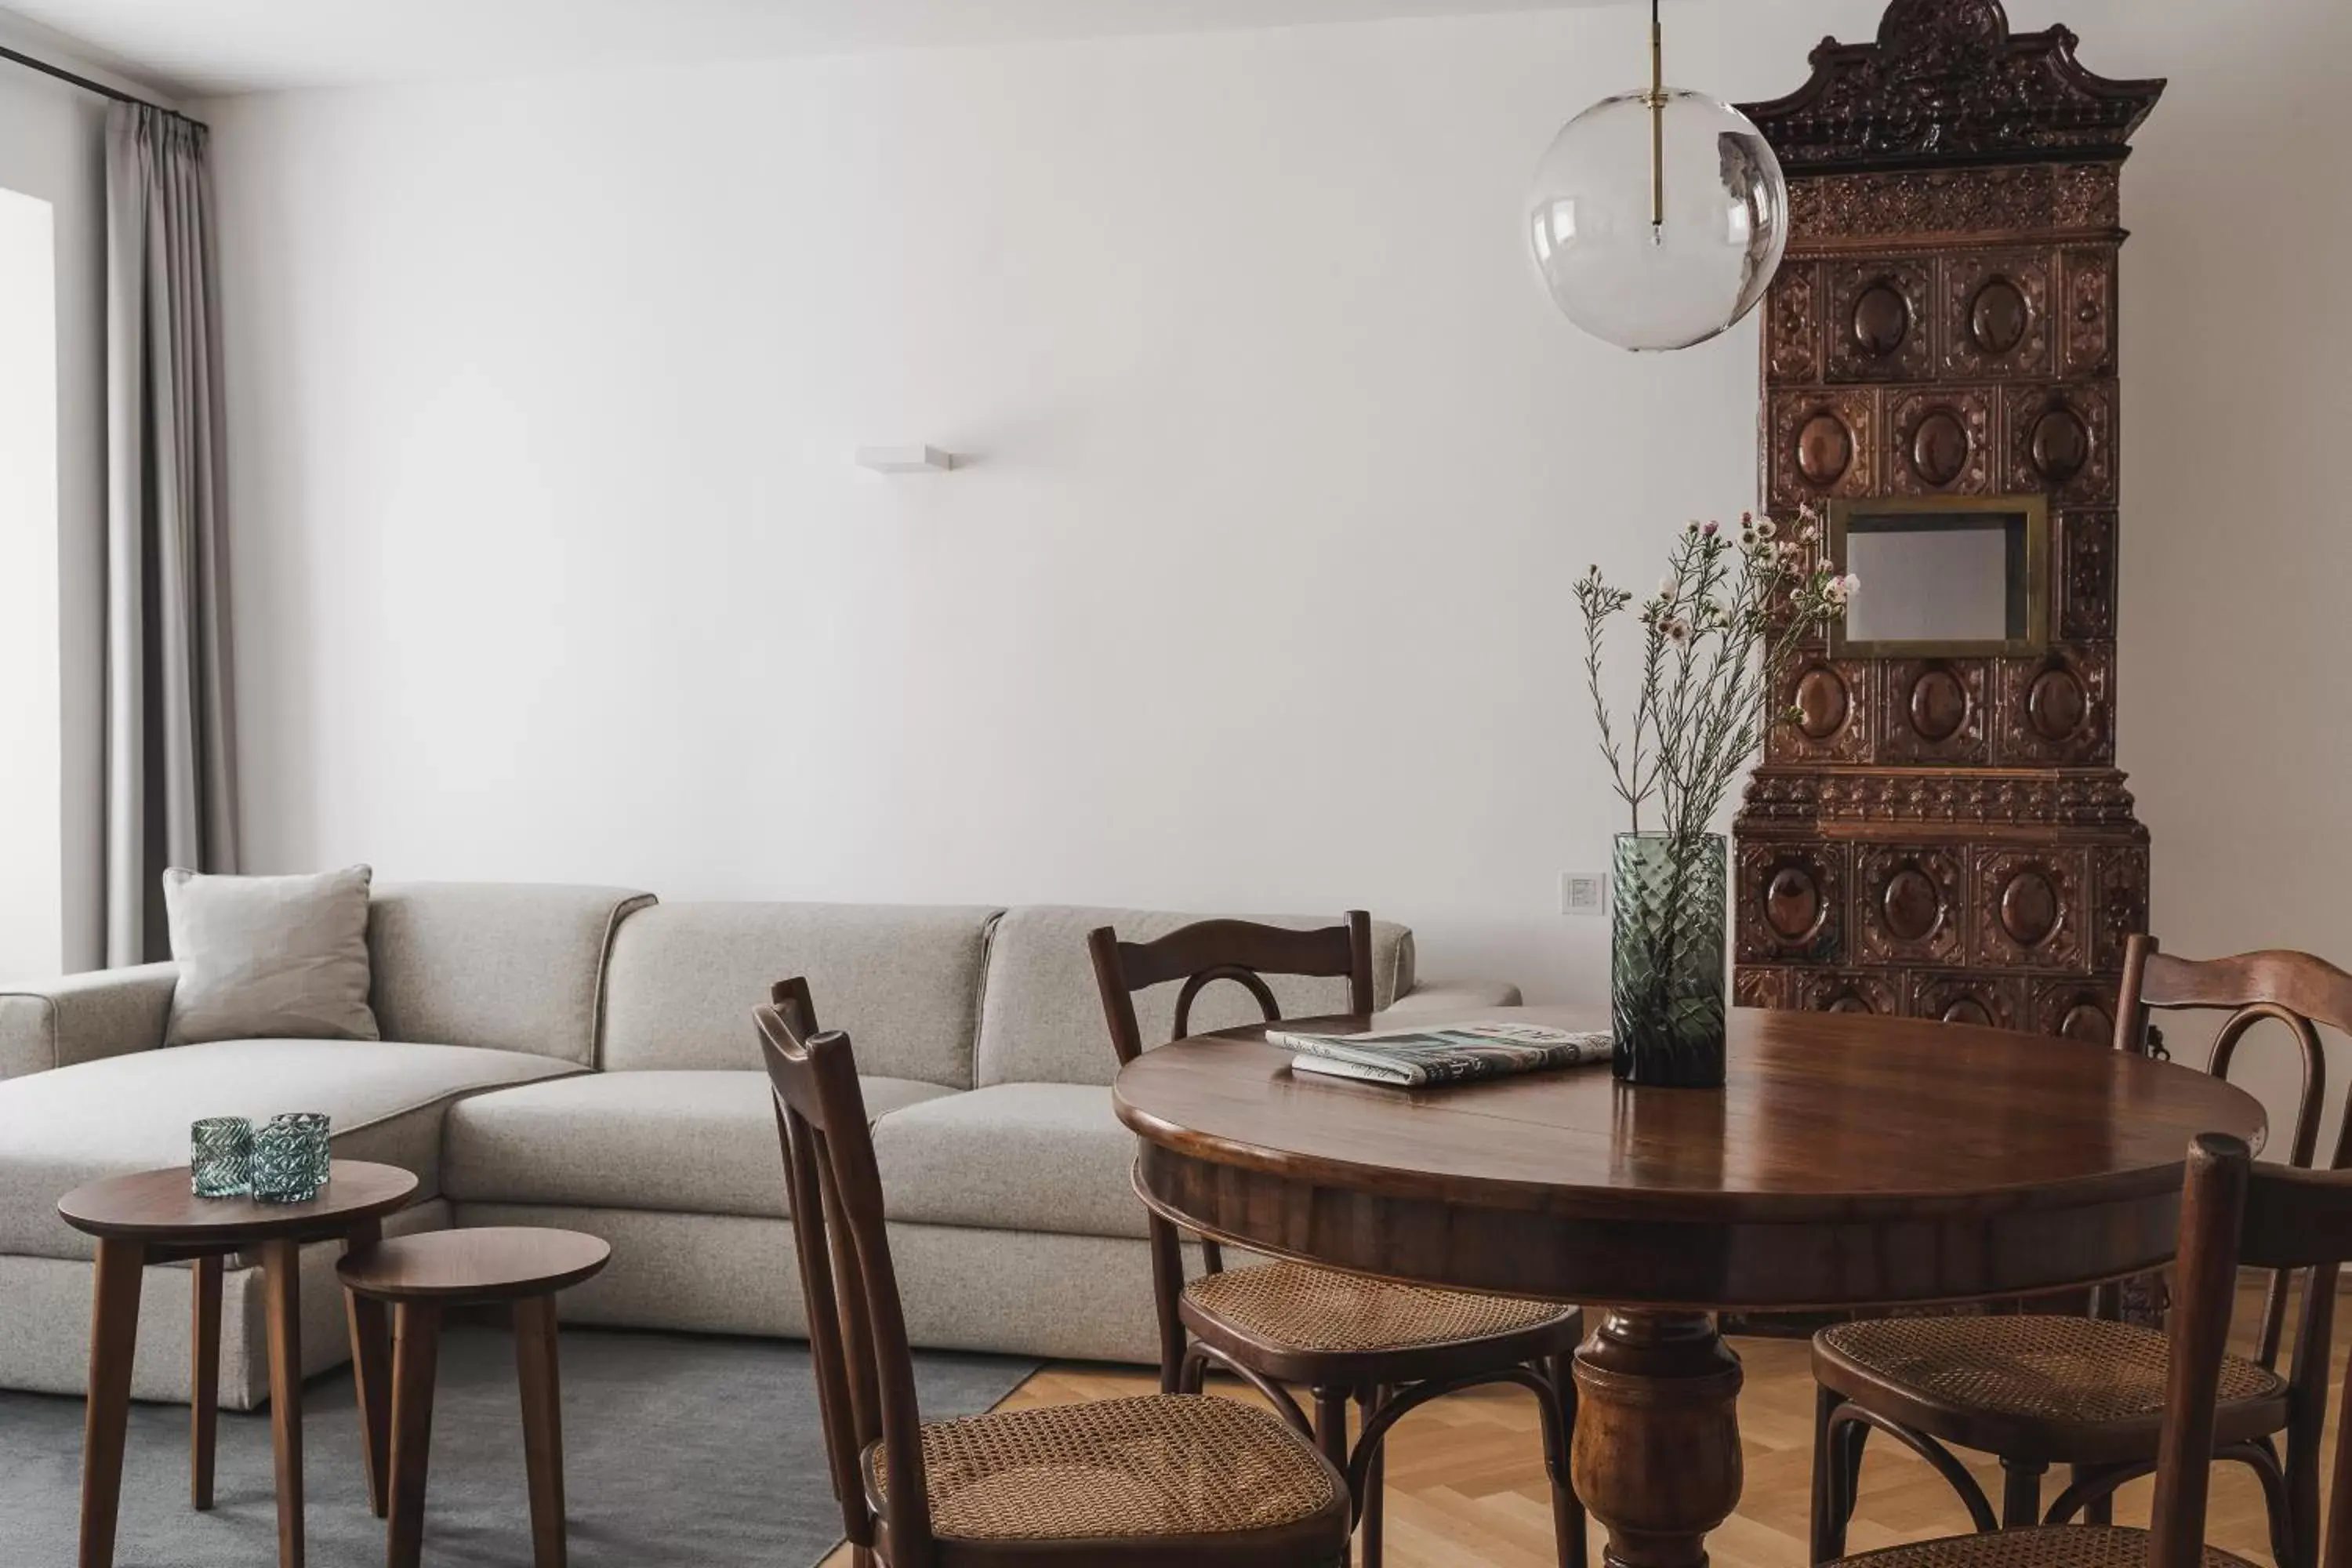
(30, 720)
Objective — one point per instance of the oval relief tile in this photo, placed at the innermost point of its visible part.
(1792, 904)
(2087, 1022)
(1939, 447)
(1822, 702)
(1939, 704)
(1882, 320)
(1824, 448)
(1847, 1002)
(2059, 445)
(2056, 705)
(1968, 1010)
(2028, 908)
(1911, 905)
(1998, 317)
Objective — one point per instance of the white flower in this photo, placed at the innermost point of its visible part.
(1666, 588)
(1851, 583)
(1677, 629)
(1766, 528)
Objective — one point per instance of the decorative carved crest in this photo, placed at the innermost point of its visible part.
(1947, 82)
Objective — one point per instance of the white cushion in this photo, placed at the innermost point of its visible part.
(270, 957)
(75, 1124)
(687, 1142)
(1017, 1156)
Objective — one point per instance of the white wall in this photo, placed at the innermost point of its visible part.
(552, 561)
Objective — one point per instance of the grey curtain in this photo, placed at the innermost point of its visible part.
(170, 783)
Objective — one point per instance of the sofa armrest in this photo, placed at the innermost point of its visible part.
(1455, 996)
(82, 1017)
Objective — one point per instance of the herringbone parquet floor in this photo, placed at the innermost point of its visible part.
(1466, 1483)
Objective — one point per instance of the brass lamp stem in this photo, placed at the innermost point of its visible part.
(1656, 100)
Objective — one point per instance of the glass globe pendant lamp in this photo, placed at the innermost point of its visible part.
(1658, 217)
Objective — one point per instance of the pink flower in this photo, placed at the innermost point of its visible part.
(1709, 531)
(1677, 629)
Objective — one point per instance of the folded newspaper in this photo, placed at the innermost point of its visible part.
(1456, 1052)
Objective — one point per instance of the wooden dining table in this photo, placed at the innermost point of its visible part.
(1850, 1161)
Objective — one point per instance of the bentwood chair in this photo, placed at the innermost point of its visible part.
(1155, 1481)
(2234, 1211)
(1389, 1347)
(2086, 1391)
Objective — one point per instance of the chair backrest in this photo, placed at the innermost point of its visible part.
(857, 1336)
(2236, 1212)
(1242, 951)
(2293, 989)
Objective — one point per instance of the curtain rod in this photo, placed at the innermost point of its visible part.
(83, 82)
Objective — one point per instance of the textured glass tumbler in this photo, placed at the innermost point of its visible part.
(1667, 960)
(220, 1157)
(290, 1158)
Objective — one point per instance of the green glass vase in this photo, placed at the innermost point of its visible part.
(1667, 959)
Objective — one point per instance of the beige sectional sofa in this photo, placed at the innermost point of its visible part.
(584, 1057)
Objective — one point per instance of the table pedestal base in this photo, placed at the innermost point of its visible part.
(1656, 1458)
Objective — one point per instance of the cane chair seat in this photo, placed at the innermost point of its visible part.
(1146, 1467)
(2048, 1546)
(1322, 1311)
(2067, 1373)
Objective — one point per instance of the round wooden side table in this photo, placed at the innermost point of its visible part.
(153, 1217)
(1852, 1161)
(420, 1277)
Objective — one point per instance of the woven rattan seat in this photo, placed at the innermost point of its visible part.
(2053, 1546)
(1157, 1465)
(2073, 1370)
(1318, 1310)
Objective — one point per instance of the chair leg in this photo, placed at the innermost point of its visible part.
(1831, 1506)
(1849, 1448)
(1368, 1400)
(1331, 1434)
(1167, 1288)
(1566, 1508)
(2100, 1509)
(2020, 1493)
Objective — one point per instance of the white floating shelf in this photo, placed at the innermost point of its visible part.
(905, 459)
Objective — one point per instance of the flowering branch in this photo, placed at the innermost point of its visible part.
(1718, 639)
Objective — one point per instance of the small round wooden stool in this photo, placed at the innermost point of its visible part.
(420, 1276)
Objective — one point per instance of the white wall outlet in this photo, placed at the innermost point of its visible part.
(1583, 893)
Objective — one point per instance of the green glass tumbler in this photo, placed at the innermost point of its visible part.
(220, 1157)
(291, 1157)
(1667, 958)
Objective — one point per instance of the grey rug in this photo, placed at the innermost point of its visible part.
(680, 1450)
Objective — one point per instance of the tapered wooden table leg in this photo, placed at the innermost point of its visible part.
(113, 1335)
(281, 1289)
(371, 1327)
(204, 1377)
(543, 1425)
(1656, 1454)
(415, 1355)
